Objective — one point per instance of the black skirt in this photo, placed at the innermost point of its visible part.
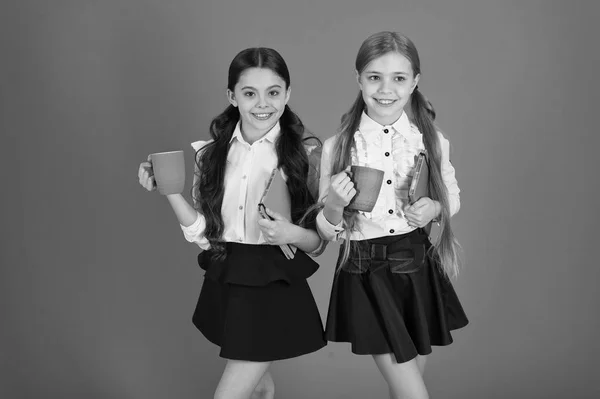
(392, 297)
(257, 305)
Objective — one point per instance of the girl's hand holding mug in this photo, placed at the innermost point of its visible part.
(341, 190)
(146, 175)
(164, 171)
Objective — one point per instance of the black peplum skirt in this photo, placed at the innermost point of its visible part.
(257, 305)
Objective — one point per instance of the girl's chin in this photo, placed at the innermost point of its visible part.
(389, 115)
(251, 124)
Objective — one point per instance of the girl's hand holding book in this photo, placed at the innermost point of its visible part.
(277, 231)
(422, 212)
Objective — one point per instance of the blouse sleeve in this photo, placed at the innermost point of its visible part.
(326, 230)
(194, 233)
(448, 176)
(314, 153)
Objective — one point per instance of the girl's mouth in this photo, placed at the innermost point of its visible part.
(263, 116)
(385, 103)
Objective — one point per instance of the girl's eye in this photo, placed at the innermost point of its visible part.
(274, 93)
(249, 94)
(373, 77)
(400, 78)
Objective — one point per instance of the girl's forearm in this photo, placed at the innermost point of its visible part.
(306, 239)
(333, 214)
(185, 213)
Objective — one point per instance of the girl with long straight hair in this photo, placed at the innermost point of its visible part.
(392, 297)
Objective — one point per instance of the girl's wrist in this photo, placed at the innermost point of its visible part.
(333, 214)
(437, 211)
(306, 239)
(297, 234)
(330, 208)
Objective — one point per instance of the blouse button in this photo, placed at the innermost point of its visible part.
(385, 131)
(392, 231)
(389, 182)
(241, 207)
(391, 211)
(387, 154)
(243, 177)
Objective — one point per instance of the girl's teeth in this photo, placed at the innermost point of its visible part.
(262, 116)
(385, 102)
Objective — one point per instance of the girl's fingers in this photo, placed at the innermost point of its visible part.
(349, 185)
(149, 184)
(147, 178)
(141, 169)
(347, 190)
(351, 193)
(264, 224)
(145, 170)
(340, 179)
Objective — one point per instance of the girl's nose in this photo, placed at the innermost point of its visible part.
(262, 102)
(384, 86)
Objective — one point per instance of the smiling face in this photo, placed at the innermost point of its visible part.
(386, 84)
(260, 96)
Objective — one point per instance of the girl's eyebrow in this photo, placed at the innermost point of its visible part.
(393, 73)
(268, 88)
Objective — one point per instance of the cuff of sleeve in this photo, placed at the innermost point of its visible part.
(195, 231)
(326, 230)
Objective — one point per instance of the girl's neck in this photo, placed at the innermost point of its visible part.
(385, 121)
(253, 135)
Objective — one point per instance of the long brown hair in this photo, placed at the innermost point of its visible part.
(291, 154)
(446, 248)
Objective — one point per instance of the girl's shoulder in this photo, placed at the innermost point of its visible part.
(330, 142)
(198, 145)
(312, 145)
(440, 134)
(442, 138)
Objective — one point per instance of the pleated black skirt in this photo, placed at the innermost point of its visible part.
(257, 306)
(402, 306)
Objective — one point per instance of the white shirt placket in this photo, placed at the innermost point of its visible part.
(243, 192)
(388, 177)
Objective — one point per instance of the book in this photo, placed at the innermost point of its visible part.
(276, 197)
(419, 186)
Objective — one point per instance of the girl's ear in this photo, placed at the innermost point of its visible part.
(415, 82)
(231, 98)
(287, 94)
(358, 79)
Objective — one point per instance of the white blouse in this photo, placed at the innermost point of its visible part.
(393, 149)
(249, 167)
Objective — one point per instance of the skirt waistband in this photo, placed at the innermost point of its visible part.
(400, 254)
(256, 265)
